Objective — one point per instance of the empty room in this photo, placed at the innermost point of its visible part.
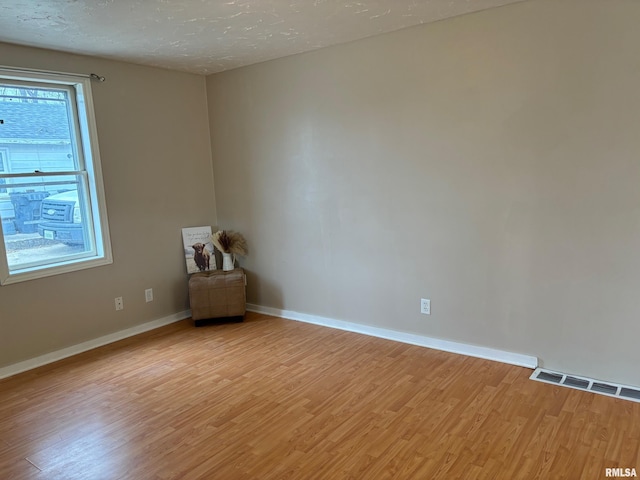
(321, 239)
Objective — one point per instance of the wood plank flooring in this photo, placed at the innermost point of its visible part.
(277, 399)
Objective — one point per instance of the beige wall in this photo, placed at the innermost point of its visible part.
(489, 162)
(155, 150)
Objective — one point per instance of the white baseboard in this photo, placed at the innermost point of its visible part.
(90, 345)
(429, 342)
(422, 341)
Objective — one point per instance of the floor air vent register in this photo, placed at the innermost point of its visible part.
(586, 384)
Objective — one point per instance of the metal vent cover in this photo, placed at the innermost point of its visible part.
(587, 384)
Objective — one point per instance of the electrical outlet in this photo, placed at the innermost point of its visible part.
(425, 306)
(148, 295)
(119, 303)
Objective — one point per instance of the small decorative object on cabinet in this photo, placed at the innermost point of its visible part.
(217, 295)
(227, 261)
(230, 244)
(198, 249)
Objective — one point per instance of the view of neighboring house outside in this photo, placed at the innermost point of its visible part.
(3, 168)
(41, 219)
(44, 146)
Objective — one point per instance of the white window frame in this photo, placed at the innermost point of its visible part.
(90, 168)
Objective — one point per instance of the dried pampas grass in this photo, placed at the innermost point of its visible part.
(221, 241)
(228, 241)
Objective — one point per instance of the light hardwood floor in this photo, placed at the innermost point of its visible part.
(277, 399)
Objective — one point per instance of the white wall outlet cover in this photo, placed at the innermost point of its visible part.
(425, 306)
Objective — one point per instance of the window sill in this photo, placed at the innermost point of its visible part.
(27, 274)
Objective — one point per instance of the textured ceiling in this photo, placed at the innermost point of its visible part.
(208, 36)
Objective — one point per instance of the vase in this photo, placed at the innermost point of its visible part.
(227, 262)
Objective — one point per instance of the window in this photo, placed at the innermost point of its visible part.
(51, 195)
(3, 168)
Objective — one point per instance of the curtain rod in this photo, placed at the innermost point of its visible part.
(92, 76)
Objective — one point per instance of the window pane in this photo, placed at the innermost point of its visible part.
(46, 220)
(38, 126)
(2, 169)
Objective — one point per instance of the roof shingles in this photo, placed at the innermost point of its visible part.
(34, 121)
